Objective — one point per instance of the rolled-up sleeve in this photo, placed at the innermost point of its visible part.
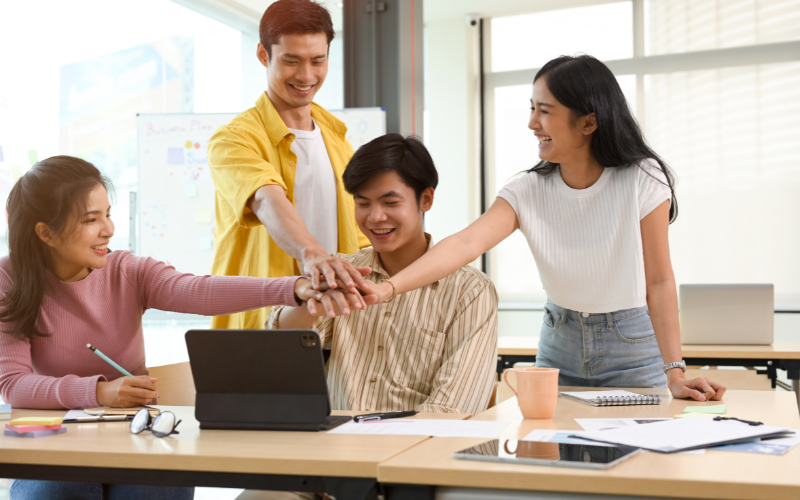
(238, 170)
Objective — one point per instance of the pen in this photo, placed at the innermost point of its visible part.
(371, 417)
(108, 360)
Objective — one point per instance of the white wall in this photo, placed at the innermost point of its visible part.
(451, 98)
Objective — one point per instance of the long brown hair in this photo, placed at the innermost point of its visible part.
(53, 191)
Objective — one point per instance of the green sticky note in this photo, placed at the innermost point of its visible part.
(33, 156)
(16, 172)
(714, 410)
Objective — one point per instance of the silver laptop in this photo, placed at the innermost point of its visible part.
(727, 314)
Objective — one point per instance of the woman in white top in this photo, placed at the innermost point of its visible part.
(595, 211)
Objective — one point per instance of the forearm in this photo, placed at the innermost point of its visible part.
(283, 223)
(294, 318)
(662, 300)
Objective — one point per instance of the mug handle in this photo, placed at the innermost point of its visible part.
(505, 379)
(505, 445)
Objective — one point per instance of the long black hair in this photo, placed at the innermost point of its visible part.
(586, 85)
(53, 191)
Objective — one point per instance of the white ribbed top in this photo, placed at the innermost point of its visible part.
(587, 243)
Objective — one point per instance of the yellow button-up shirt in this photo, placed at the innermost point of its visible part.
(251, 151)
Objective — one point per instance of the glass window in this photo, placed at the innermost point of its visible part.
(84, 69)
(530, 40)
(730, 134)
(673, 26)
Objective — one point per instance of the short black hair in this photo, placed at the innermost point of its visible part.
(407, 156)
(293, 17)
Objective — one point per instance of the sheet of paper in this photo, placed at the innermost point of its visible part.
(713, 410)
(601, 424)
(599, 394)
(82, 415)
(678, 434)
(423, 427)
(777, 446)
(190, 189)
(202, 215)
(550, 436)
(699, 415)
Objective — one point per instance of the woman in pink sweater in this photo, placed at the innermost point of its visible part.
(61, 288)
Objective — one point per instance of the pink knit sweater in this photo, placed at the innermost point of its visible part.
(105, 309)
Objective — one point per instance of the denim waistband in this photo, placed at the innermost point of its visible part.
(563, 314)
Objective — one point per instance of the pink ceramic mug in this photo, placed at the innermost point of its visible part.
(537, 391)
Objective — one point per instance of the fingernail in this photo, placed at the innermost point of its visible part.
(346, 311)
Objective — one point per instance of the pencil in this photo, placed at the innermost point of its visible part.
(108, 360)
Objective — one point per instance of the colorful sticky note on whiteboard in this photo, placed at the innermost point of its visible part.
(202, 215)
(16, 172)
(2, 158)
(175, 156)
(33, 156)
(190, 189)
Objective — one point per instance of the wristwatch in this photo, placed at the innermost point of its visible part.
(675, 364)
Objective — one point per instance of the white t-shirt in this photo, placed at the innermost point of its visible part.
(587, 243)
(315, 188)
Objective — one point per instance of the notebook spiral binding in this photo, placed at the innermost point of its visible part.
(629, 400)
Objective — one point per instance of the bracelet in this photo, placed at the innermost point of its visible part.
(394, 292)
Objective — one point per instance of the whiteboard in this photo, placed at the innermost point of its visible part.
(175, 201)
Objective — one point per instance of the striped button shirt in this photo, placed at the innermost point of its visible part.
(433, 349)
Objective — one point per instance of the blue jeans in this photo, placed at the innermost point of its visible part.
(616, 349)
(26, 489)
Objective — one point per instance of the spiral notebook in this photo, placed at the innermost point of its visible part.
(612, 398)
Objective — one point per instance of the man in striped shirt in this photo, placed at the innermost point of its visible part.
(432, 349)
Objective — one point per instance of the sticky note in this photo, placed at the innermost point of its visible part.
(36, 421)
(2, 158)
(190, 189)
(175, 156)
(202, 215)
(16, 172)
(713, 410)
(33, 156)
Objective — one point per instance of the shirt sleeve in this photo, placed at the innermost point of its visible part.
(160, 286)
(517, 193)
(653, 189)
(238, 170)
(464, 382)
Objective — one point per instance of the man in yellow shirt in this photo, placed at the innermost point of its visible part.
(281, 208)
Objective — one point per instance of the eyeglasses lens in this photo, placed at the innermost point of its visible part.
(140, 421)
(164, 424)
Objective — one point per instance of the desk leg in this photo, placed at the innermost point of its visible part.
(792, 367)
(345, 488)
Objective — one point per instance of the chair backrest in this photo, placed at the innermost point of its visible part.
(175, 384)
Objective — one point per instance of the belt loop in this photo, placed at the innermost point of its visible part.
(609, 320)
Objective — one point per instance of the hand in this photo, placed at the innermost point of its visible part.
(334, 303)
(330, 268)
(304, 290)
(381, 291)
(126, 392)
(700, 388)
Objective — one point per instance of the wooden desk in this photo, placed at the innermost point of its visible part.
(783, 354)
(714, 475)
(344, 465)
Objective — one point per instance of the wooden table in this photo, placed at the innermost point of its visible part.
(714, 475)
(782, 354)
(344, 465)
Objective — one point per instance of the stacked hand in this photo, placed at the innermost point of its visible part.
(339, 300)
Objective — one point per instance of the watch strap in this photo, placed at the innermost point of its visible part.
(675, 364)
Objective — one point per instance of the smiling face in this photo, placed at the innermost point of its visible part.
(86, 247)
(387, 212)
(296, 70)
(562, 136)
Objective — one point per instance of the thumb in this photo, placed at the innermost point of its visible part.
(370, 299)
(364, 270)
(696, 395)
